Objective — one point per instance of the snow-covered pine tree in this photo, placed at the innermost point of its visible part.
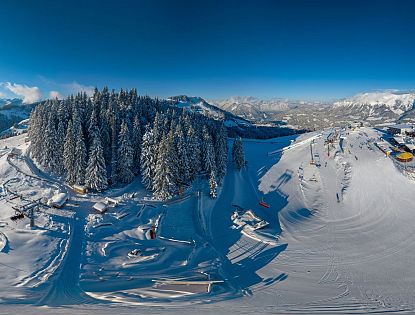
(194, 153)
(69, 154)
(92, 127)
(96, 173)
(33, 132)
(158, 127)
(149, 152)
(114, 158)
(238, 153)
(182, 154)
(221, 151)
(37, 133)
(164, 184)
(114, 117)
(125, 156)
(136, 144)
(60, 140)
(49, 155)
(209, 163)
(104, 129)
(80, 150)
(173, 155)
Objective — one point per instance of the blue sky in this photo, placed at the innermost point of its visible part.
(298, 49)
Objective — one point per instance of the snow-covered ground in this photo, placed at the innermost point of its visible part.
(339, 239)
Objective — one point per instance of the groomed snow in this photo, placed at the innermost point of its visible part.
(344, 240)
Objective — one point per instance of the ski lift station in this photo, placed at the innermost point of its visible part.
(402, 129)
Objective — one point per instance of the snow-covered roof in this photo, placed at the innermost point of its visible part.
(59, 199)
(410, 146)
(382, 144)
(399, 139)
(101, 207)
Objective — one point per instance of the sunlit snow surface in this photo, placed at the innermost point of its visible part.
(343, 239)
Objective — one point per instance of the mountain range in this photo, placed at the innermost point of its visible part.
(372, 108)
(244, 115)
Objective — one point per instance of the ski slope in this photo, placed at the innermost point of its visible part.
(340, 239)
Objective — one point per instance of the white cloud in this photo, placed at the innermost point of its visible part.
(2, 95)
(29, 94)
(76, 87)
(67, 88)
(55, 94)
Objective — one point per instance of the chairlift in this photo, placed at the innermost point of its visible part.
(263, 203)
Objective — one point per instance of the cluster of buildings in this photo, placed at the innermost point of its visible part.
(402, 139)
(403, 136)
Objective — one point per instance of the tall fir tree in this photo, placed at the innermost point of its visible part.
(69, 154)
(96, 173)
(148, 157)
(136, 144)
(49, 157)
(114, 150)
(194, 153)
(209, 163)
(80, 150)
(60, 140)
(182, 154)
(125, 156)
(164, 185)
(221, 151)
(238, 153)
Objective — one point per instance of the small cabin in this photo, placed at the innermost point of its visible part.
(100, 207)
(58, 200)
(80, 189)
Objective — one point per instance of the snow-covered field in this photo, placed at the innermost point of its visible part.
(339, 238)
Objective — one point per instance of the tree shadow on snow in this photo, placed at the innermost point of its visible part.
(242, 257)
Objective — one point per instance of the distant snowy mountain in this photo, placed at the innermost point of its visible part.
(375, 102)
(12, 111)
(259, 110)
(16, 129)
(373, 108)
(199, 105)
(251, 107)
(5, 102)
(236, 125)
